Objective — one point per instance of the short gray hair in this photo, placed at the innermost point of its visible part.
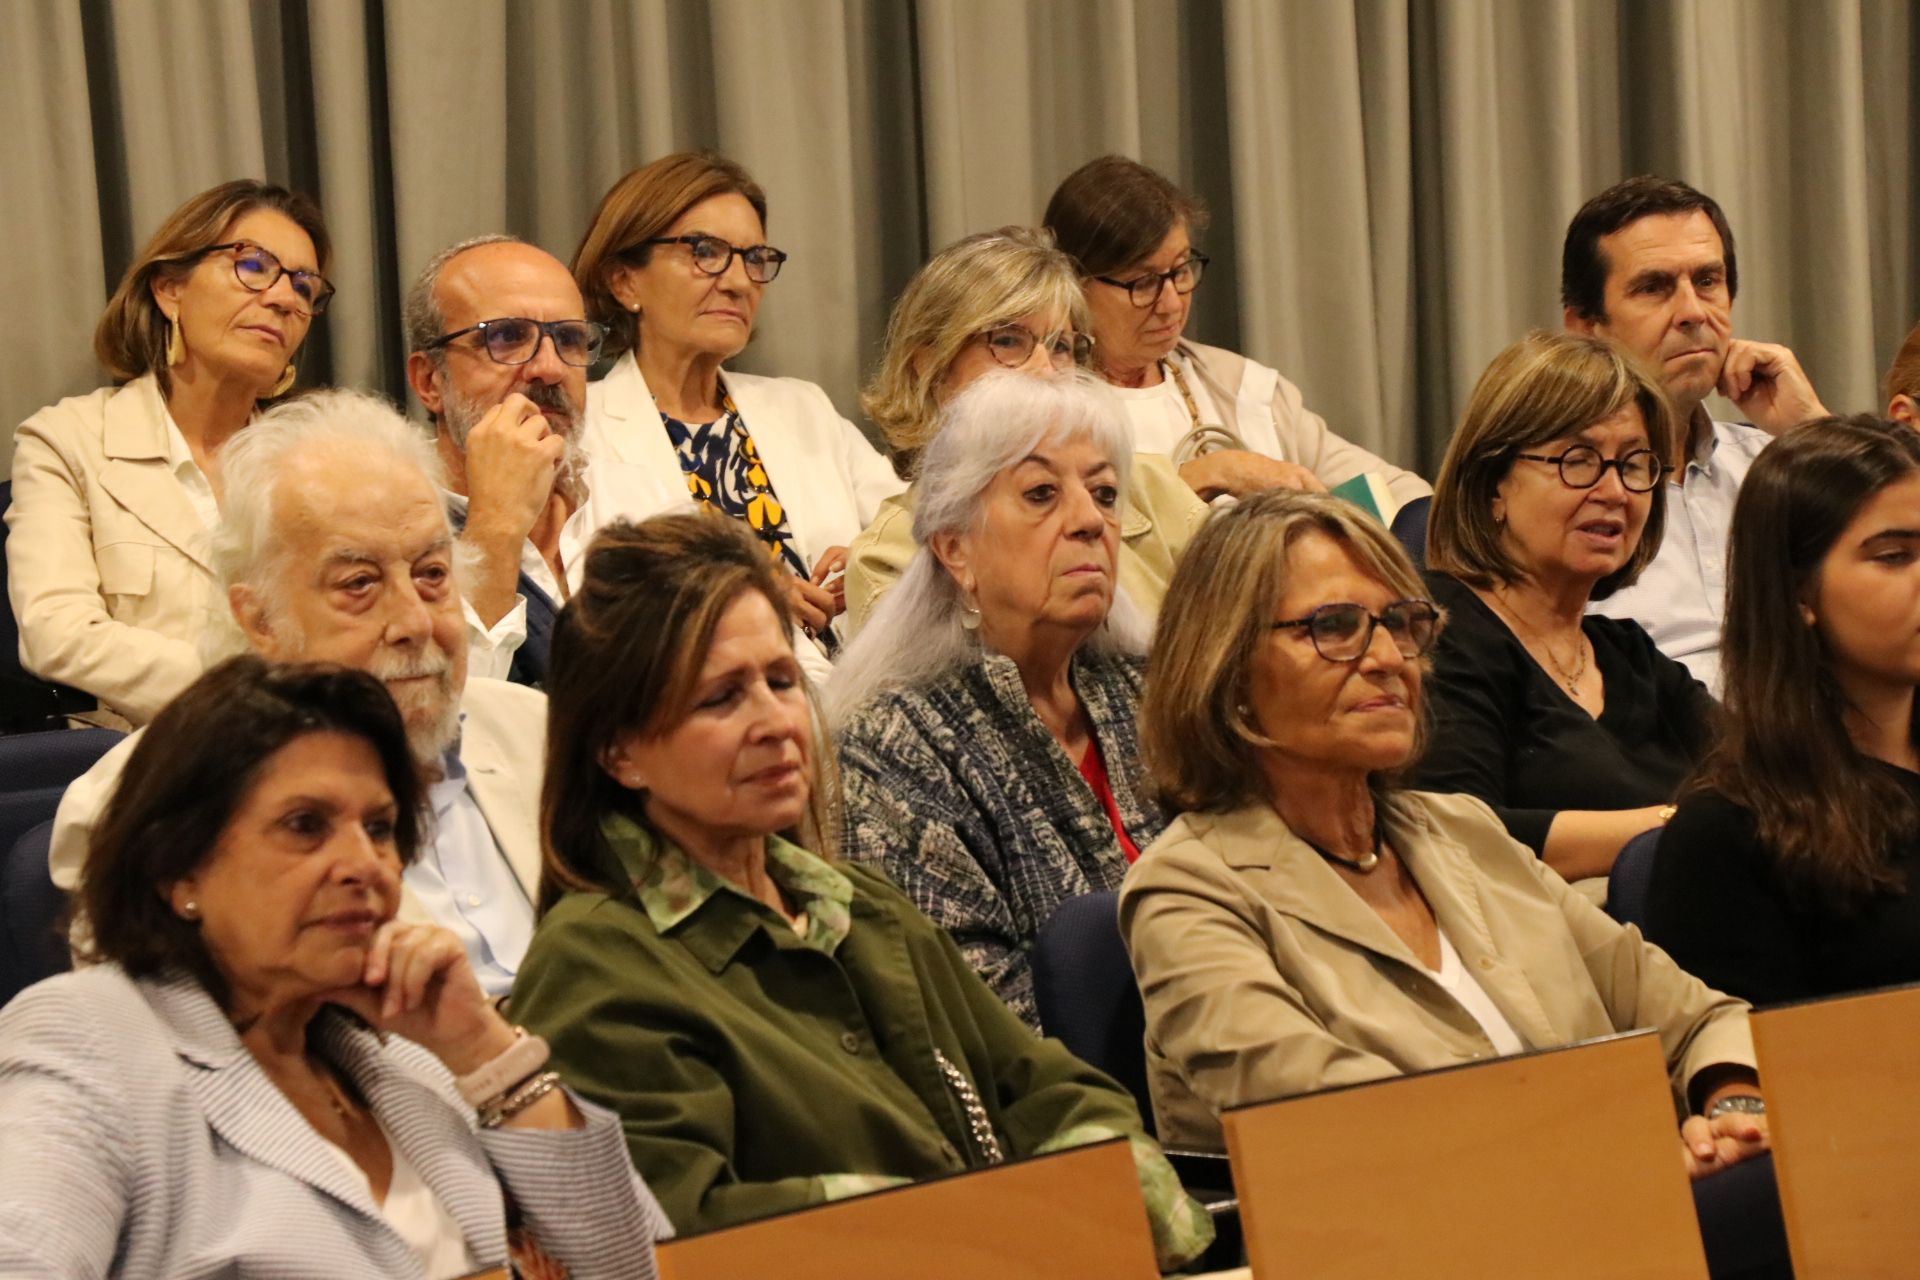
(423, 317)
(244, 542)
(915, 635)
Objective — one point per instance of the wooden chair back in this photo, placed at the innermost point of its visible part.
(1840, 1077)
(1560, 1163)
(1074, 1215)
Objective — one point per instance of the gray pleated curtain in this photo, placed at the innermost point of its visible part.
(1389, 179)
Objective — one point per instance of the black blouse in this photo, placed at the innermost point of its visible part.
(1506, 731)
(1720, 907)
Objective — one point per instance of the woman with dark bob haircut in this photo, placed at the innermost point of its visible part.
(1788, 871)
(776, 1027)
(264, 1072)
(115, 492)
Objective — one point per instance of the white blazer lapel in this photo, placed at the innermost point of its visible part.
(801, 467)
(134, 438)
(510, 804)
(623, 424)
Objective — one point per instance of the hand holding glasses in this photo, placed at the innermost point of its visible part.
(257, 269)
(516, 339)
(1012, 346)
(1145, 290)
(1343, 632)
(713, 256)
(1582, 466)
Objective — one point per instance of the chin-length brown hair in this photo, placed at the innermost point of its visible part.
(131, 338)
(640, 206)
(1829, 814)
(627, 652)
(1543, 388)
(192, 770)
(1198, 733)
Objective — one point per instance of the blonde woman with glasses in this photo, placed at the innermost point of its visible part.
(1005, 299)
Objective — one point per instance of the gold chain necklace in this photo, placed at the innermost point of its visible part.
(1569, 678)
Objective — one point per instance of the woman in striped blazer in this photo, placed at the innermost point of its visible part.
(266, 1075)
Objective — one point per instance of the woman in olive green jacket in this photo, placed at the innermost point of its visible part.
(775, 1028)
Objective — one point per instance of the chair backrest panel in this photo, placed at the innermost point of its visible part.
(1076, 1215)
(1839, 1076)
(1561, 1163)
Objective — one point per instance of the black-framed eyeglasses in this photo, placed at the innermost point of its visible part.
(713, 255)
(516, 339)
(1582, 466)
(1145, 290)
(257, 269)
(1012, 346)
(1342, 632)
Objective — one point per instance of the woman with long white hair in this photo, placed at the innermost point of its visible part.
(986, 710)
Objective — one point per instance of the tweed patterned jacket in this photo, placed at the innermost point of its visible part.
(958, 792)
(138, 1137)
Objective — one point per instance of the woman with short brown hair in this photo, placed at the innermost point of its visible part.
(115, 492)
(1574, 727)
(674, 265)
(1231, 424)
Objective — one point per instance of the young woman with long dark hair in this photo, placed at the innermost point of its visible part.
(1785, 872)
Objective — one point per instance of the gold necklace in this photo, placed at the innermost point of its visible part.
(1569, 678)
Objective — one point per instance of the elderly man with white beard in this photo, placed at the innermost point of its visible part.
(499, 345)
(334, 546)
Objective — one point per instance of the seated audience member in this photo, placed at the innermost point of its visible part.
(1788, 872)
(985, 714)
(335, 548)
(775, 1027)
(1307, 923)
(1649, 263)
(1573, 726)
(265, 1072)
(499, 347)
(115, 492)
(1003, 299)
(1231, 424)
(1903, 382)
(674, 266)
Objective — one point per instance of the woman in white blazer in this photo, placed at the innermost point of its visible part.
(674, 266)
(116, 491)
(267, 1074)
(1233, 425)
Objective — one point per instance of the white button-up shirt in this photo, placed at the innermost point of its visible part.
(1681, 599)
(462, 879)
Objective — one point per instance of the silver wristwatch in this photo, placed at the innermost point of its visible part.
(1745, 1103)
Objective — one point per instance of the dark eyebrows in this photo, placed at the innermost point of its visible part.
(1896, 535)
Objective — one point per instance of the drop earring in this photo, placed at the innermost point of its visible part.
(176, 344)
(286, 380)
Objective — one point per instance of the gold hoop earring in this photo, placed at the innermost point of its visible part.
(176, 344)
(286, 380)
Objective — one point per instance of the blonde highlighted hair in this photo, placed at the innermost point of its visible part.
(1543, 388)
(972, 285)
(1197, 729)
(131, 338)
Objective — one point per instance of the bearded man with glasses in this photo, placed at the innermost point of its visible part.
(499, 348)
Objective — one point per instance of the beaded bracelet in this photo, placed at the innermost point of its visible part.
(524, 1095)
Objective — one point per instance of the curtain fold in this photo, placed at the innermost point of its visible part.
(1389, 179)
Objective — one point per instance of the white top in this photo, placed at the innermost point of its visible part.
(416, 1214)
(1459, 982)
(1158, 414)
(464, 882)
(1681, 598)
(193, 481)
